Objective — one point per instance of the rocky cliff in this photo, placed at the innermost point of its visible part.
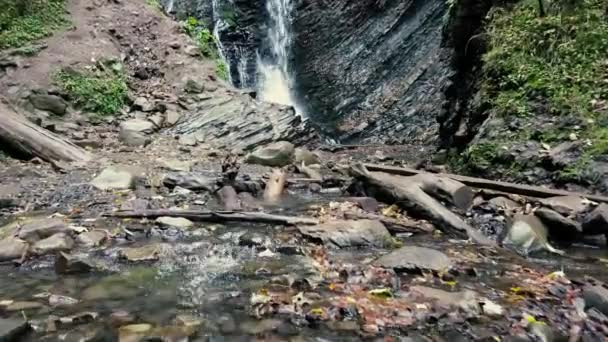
(373, 68)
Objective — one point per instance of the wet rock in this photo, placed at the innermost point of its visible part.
(13, 329)
(93, 238)
(302, 155)
(596, 296)
(188, 140)
(55, 243)
(227, 325)
(12, 249)
(143, 104)
(366, 203)
(50, 103)
(70, 264)
(501, 202)
(567, 205)
(280, 153)
(171, 118)
(42, 229)
(596, 222)
(145, 253)
(133, 138)
(58, 300)
(251, 239)
(23, 306)
(193, 87)
(191, 181)
(349, 233)
(175, 222)
(564, 154)
(465, 300)
(527, 234)
(560, 228)
(177, 165)
(114, 178)
(415, 258)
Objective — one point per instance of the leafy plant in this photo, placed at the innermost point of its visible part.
(24, 21)
(103, 92)
(221, 69)
(203, 37)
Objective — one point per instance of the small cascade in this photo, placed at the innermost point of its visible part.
(219, 25)
(276, 83)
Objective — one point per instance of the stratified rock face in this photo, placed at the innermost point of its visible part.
(237, 121)
(370, 60)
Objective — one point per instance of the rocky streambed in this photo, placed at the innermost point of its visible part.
(325, 266)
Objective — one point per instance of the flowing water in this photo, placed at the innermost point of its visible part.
(276, 82)
(219, 26)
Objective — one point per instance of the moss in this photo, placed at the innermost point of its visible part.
(22, 22)
(103, 91)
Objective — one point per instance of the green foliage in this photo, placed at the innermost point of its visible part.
(24, 21)
(221, 69)
(154, 4)
(203, 37)
(103, 92)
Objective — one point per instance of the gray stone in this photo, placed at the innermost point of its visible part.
(466, 300)
(145, 253)
(113, 178)
(566, 205)
(349, 233)
(366, 203)
(192, 50)
(304, 156)
(23, 306)
(93, 238)
(191, 181)
(175, 222)
(177, 165)
(50, 103)
(251, 239)
(501, 202)
(42, 229)
(415, 258)
(55, 243)
(596, 296)
(138, 125)
(596, 222)
(13, 329)
(172, 118)
(560, 228)
(143, 104)
(12, 249)
(59, 300)
(134, 139)
(276, 154)
(188, 140)
(157, 119)
(564, 154)
(193, 87)
(71, 264)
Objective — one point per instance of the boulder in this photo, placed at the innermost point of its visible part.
(560, 228)
(171, 118)
(174, 222)
(133, 138)
(566, 205)
(596, 222)
(276, 154)
(302, 155)
(113, 178)
(527, 234)
(55, 243)
(193, 87)
(138, 125)
(13, 329)
(596, 296)
(501, 202)
(50, 103)
(191, 181)
(12, 249)
(143, 104)
(145, 253)
(349, 233)
(414, 258)
(366, 203)
(177, 165)
(42, 229)
(93, 238)
(251, 239)
(71, 264)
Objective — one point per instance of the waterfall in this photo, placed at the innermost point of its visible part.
(276, 83)
(219, 24)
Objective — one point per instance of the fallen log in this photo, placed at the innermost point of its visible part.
(22, 137)
(217, 216)
(408, 192)
(481, 183)
(275, 185)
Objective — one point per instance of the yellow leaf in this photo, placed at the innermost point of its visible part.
(451, 283)
(332, 286)
(392, 211)
(381, 293)
(317, 311)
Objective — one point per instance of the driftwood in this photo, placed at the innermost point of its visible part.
(217, 216)
(26, 139)
(409, 193)
(229, 198)
(275, 185)
(511, 188)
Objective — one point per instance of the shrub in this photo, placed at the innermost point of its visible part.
(221, 69)
(24, 21)
(203, 37)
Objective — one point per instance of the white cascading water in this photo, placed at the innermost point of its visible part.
(220, 24)
(276, 84)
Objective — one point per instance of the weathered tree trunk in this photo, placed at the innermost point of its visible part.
(19, 136)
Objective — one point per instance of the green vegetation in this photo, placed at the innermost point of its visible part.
(221, 69)
(547, 68)
(203, 37)
(103, 92)
(24, 21)
(154, 4)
